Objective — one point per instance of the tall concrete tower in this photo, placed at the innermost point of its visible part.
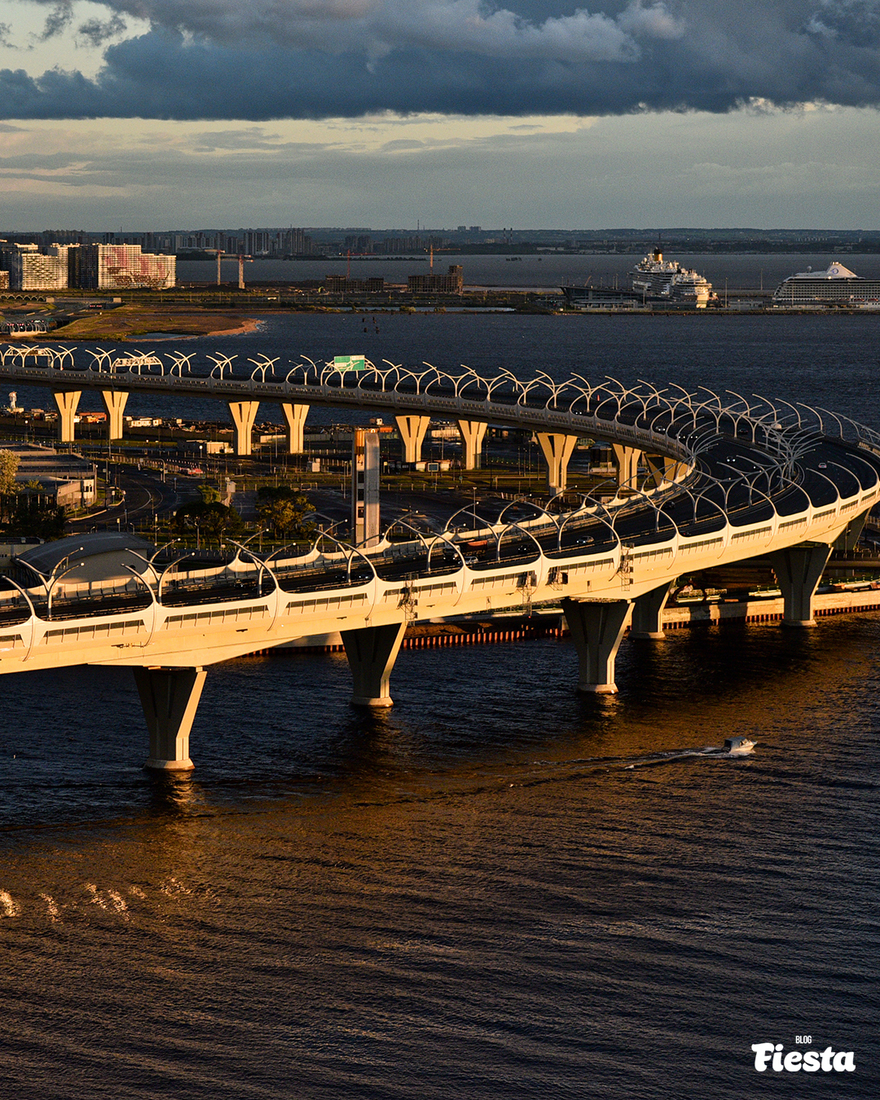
(365, 470)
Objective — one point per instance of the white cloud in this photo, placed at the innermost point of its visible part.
(740, 169)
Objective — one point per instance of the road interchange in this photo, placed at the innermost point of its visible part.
(720, 482)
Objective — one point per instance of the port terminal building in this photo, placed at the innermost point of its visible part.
(601, 297)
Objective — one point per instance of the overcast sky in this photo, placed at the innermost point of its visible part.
(149, 114)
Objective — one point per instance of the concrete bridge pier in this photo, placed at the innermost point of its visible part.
(243, 414)
(798, 571)
(472, 433)
(849, 536)
(656, 465)
(647, 621)
(169, 697)
(663, 468)
(627, 461)
(558, 449)
(413, 430)
(114, 403)
(596, 629)
(67, 401)
(295, 415)
(371, 652)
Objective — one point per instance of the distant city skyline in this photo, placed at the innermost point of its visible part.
(393, 238)
(153, 113)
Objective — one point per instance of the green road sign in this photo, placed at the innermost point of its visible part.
(349, 362)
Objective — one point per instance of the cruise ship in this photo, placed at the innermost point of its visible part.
(836, 286)
(657, 280)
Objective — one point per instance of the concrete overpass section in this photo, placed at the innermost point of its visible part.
(412, 397)
(744, 482)
(170, 619)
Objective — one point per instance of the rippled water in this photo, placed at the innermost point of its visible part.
(474, 894)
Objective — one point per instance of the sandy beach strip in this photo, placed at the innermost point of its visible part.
(250, 325)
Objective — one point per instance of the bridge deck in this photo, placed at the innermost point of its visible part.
(728, 482)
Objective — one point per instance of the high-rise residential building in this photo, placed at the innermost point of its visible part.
(295, 242)
(358, 242)
(30, 269)
(122, 266)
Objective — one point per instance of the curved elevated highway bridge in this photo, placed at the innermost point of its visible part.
(728, 479)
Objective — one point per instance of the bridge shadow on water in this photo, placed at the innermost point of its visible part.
(707, 662)
(756, 680)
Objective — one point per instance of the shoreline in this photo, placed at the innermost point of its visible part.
(251, 324)
(197, 323)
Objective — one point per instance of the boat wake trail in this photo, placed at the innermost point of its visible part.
(733, 748)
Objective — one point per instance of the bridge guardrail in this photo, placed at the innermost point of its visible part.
(692, 432)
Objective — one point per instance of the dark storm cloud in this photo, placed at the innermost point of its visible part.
(97, 31)
(57, 21)
(856, 22)
(212, 59)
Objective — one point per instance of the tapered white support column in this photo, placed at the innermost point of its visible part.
(67, 401)
(656, 468)
(850, 535)
(413, 430)
(243, 414)
(596, 629)
(295, 415)
(557, 449)
(798, 571)
(647, 621)
(170, 697)
(664, 469)
(472, 433)
(371, 653)
(627, 461)
(114, 403)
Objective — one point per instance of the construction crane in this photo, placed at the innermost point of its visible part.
(432, 250)
(242, 260)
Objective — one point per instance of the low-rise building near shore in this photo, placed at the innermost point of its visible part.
(450, 283)
(63, 479)
(588, 296)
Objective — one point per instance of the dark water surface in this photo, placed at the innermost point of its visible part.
(827, 359)
(549, 271)
(496, 889)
